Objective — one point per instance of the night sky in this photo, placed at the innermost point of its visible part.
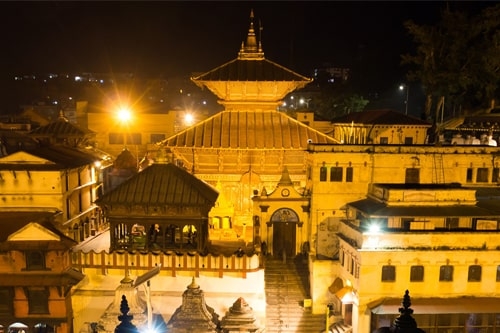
(171, 38)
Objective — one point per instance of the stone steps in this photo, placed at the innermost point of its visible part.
(286, 288)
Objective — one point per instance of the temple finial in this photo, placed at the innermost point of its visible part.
(251, 49)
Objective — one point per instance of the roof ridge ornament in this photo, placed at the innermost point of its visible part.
(251, 49)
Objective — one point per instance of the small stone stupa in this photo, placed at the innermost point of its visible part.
(125, 325)
(194, 315)
(137, 307)
(240, 318)
(404, 323)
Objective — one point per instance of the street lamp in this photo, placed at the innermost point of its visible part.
(407, 88)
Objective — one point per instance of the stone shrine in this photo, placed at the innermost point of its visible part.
(194, 315)
(136, 307)
(240, 318)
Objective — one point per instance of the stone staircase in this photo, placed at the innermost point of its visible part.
(287, 285)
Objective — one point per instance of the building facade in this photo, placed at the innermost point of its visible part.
(459, 227)
(57, 179)
(36, 275)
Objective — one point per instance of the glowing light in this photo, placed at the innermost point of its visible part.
(374, 228)
(124, 115)
(188, 119)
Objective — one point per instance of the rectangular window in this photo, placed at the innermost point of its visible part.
(35, 260)
(469, 175)
(157, 138)
(384, 140)
(412, 176)
(417, 273)
(474, 273)
(38, 301)
(116, 138)
(446, 273)
(134, 139)
(482, 175)
(6, 301)
(336, 174)
(451, 223)
(498, 273)
(322, 174)
(408, 140)
(349, 174)
(388, 273)
(494, 175)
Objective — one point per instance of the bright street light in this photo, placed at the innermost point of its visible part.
(124, 115)
(188, 119)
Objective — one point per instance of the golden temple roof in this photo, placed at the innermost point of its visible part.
(248, 130)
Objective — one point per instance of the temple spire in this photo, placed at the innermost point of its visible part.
(251, 49)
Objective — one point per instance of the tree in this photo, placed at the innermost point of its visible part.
(457, 59)
(337, 98)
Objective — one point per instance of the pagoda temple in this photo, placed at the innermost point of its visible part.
(246, 146)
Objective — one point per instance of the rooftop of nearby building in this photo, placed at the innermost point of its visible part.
(162, 184)
(379, 117)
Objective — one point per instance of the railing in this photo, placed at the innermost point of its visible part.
(170, 262)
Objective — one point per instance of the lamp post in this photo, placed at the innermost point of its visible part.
(407, 88)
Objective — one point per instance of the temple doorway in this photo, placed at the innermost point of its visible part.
(284, 232)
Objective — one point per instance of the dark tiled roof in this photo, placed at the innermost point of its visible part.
(68, 277)
(375, 208)
(125, 160)
(61, 127)
(11, 141)
(160, 185)
(248, 130)
(62, 157)
(250, 70)
(13, 221)
(379, 117)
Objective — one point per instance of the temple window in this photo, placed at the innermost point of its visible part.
(388, 273)
(446, 273)
(336, 174)
(474, 273)
(349, 171)
(482, 175)
(417, 273)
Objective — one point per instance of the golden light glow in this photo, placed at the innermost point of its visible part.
(124, 114)
(188, 119)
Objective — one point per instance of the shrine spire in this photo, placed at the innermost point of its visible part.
(251, 49)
